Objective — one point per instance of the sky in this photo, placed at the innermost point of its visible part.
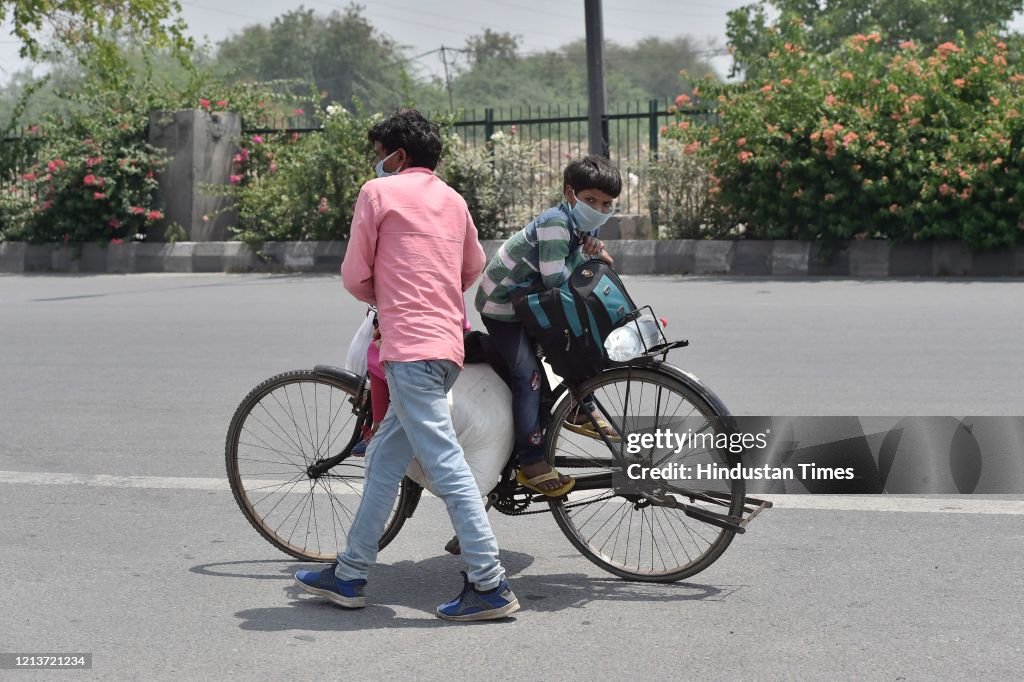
(424, 25)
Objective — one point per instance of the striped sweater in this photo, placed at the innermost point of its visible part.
(547, 249)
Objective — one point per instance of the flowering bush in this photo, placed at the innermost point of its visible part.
(299, 187)
(504, 183)
(681, 198)
(866, 143)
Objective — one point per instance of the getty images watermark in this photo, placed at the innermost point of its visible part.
(670, 442)
(832, 455)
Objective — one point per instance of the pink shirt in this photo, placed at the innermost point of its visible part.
(413, 250)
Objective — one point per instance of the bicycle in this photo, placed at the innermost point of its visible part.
(643, 530)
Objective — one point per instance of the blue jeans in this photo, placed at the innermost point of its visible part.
(511, 342)
(419, 424)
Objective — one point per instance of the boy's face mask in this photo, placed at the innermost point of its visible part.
(379, 168)
(587, 219)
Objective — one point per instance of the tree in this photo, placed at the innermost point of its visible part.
(829, 22)
(83, 22)
(341, 54)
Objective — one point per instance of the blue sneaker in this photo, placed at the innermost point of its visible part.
(359, 449)
(347, 593)
(473, 604)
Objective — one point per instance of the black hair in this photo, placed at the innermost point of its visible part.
(409, 130)
(593, 172)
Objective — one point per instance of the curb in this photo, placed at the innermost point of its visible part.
(782, 258)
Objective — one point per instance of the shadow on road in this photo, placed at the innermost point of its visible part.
(421, 585)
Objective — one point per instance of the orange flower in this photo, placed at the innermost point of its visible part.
(894, 208)
(959, 82)
(766, 89)
(741, 142)
(684, 125)
(908, 45)
(850, 138)
(691, 148)
(786, 81)
(846, 75)
(682, 100)
(830, 196)
(994, 100)
(744, 157)
(830, 100)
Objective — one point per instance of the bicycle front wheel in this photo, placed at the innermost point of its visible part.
(286, 425)
(622, 530)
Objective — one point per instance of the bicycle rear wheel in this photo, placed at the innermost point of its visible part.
(626, 534)
(285, 425)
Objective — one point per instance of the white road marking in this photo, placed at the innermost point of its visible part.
(872, 503)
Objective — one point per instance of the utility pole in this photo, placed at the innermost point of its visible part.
(597, 120)
(447, 78)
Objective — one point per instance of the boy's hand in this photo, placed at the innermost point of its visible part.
(375, 338)
(592, 246)
(606, 257)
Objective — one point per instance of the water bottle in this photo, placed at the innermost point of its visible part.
(633, 338)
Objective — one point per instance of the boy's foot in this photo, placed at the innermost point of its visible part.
(473, 604)
(542, 478)
(579, 422)
(347, 593)
(359, 449)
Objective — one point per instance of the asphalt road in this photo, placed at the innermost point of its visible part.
(137, 553)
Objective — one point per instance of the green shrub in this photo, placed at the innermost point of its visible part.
(866, 143)
(504, 182)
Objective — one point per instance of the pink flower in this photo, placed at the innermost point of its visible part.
(93, 161)
(744, 157)
(114, 223)
(93, 180)
(691, 148)
(766, 89)
(56, 165)
(295, 137)
(959, 82)
(136, 210)
(257, 139)
(323, 207)
(235, 179)
(204, 104)
(298, 112)
(222, 103)
(273, 167)
(117, 241)
(849, 138)
(682, 100)
(98, 195)
(741, 142)
(155, 215)
(830, 197)
(206, 218)
(830, 100)
(947, 47)
(29, 176)
(908, 45)
(786, 81)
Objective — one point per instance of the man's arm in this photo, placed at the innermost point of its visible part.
(473, 258)
(357, 268)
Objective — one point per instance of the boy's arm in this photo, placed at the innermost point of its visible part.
(553, 252)
(357, 268)
(473, 258)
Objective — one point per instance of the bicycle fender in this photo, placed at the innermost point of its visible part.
(342, 375)
(698, 387)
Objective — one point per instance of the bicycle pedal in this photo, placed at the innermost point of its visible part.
(453, 547)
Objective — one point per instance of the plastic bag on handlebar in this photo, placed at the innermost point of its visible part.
(355, 361)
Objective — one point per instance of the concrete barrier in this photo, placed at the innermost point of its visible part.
(856, 259)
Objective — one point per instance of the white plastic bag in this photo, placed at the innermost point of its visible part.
(356, 360)
(481, 405)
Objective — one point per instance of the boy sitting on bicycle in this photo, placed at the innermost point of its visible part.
(548, 249)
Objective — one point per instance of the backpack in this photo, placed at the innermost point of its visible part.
(571, 321)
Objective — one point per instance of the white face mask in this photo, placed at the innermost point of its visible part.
(379, 168)
(587, 219)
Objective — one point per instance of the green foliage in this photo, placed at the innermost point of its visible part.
(292, 187)
(504, 182)
(89, 24)
(681, 197)
(923, 144)
(826, 25)
(340, 55)
(92, 174)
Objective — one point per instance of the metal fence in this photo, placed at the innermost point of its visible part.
(633, 131)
